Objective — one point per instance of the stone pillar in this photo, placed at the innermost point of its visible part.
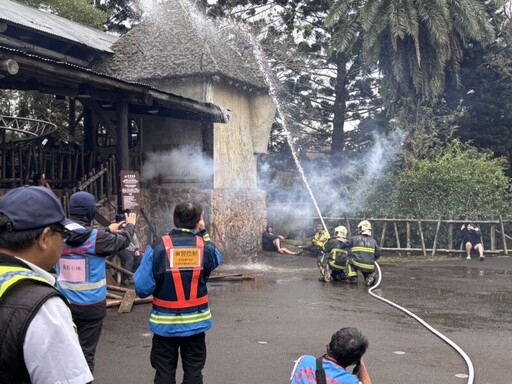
(235, 218)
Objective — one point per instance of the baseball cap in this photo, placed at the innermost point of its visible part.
(31, 207)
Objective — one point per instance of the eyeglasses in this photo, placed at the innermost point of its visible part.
(63, 231)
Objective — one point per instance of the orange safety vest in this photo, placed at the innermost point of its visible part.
(176, 272)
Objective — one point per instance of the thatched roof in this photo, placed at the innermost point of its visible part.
(174, 42)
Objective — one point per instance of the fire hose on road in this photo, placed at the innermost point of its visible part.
(471, 371)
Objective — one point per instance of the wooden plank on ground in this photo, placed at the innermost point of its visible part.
(114, 296)
(113, 302)
(111, 280)
(127, 303)
(231, 276)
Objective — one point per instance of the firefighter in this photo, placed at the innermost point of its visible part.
(317, 242)
(364, 251)
(333, 262)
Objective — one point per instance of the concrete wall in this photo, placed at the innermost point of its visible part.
(236, 213)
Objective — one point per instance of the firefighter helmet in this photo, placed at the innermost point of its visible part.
(364, 226)
(341, 232)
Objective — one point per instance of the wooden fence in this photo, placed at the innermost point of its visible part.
(411, 236)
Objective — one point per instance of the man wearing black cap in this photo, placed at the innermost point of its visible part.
(81, 275)
(39, 343)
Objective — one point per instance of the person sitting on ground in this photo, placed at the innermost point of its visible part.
(472, 239)
(347, 347)
(364, 251)
(272, 242)
(317, 242)
(333, 262)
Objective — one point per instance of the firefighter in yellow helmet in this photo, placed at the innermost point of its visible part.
(318, 241)
(333, 262)
(364, 251)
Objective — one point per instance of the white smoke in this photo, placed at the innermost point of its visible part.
(337, 190)
(186, 163)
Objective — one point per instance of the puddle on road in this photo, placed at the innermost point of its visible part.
(259, 268)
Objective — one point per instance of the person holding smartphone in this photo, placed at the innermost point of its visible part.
(347, 347)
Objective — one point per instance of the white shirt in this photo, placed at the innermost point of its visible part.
(51, 349)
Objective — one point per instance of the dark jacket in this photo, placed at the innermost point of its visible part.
(337, 251)
(474, 237)
(364, 252)
(267, 240)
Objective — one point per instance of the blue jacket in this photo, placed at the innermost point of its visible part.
(180, 301)
(304, 372)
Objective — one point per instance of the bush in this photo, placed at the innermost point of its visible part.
(460, 182)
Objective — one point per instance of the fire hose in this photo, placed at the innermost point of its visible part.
(471, 371)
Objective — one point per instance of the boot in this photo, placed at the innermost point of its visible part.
(370, 279)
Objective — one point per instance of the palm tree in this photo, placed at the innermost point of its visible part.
(413, 42)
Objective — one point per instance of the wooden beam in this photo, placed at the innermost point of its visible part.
(9, 67)
(434, 246)
(98, 111)
(27, 47)
(82, 75)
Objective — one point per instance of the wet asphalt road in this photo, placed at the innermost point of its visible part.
(262, 326)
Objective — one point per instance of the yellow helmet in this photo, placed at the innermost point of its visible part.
(341, 232)
(364, 226)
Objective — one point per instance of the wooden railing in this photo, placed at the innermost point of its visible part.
(102, 183)
(409, 236)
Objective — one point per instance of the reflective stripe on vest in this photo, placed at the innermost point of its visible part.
(363, 249)
(9, 276)
(181, 319)
(362, 265)
(181, 300)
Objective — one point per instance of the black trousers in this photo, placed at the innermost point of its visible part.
(164, 358)
(89, 332)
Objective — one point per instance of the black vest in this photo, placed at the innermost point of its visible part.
(18, 307)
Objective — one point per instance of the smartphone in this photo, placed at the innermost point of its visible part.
(357, 368)
(119, 217)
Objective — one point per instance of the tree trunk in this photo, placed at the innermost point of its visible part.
(339, 108)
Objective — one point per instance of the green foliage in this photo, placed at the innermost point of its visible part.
(460, 182)
(413, 42)
(486, 96)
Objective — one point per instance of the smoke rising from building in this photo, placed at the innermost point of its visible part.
(183, 164)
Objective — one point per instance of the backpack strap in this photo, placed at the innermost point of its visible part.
(320, 372)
